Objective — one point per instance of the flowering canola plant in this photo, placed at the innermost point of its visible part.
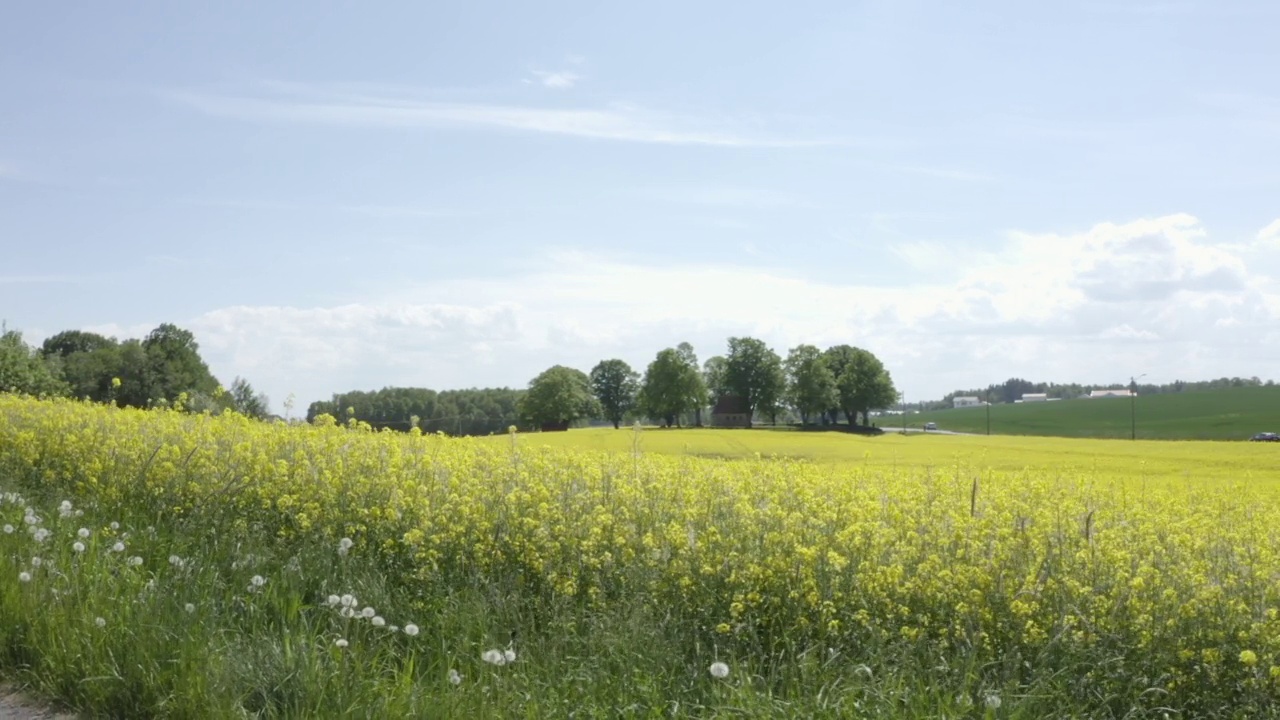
(1176, 584)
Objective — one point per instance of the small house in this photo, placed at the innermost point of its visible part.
(731, 411)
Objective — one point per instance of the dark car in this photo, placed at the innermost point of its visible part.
(1265, 437)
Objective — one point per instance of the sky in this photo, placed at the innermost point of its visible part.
(351, 196)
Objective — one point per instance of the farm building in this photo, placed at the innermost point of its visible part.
(1119, 392)
(731, 411)
(1034, 397)
(965, 401)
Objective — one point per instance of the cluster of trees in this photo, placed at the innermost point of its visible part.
(160, 369)
(817, 385)
(458, 412)
(1014, 388)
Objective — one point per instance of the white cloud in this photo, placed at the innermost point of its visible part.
(1270, 234)
(1154, 296)
(363, 109)
(562, 80)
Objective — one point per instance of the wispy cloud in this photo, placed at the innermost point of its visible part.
(613, 122)
(37, 279)
(562, 80)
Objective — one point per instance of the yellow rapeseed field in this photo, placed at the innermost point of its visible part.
(1163, 558)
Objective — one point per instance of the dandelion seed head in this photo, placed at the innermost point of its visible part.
(348, 600)
(135, 561)
(176, 561)
(993, 701)
(411, 630)
(333, 600)
(493, 657)
(41, 535)
(118, 547)
(257, 581)
(8, 529)
(189, 607)
(342, 552)
(368, 612)
(100, 622)
(719, 670)
(36, 562)
(345, 543)
(340, 642)
(114, 525)
(378, 621)
(78, 546)
(83, 532)
(509, 655)
(454, 677)
(24, 576)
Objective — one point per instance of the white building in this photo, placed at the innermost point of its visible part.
(1034, 397)
(965, 401)
(1119, 392)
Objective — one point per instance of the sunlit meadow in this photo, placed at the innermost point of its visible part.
(174, 565)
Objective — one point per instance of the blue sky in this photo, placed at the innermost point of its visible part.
(339, 198)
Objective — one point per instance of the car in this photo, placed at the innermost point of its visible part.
(931, 426)
(1266, 437)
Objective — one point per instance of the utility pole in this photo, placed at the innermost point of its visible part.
(1133, 406)
(988, 415)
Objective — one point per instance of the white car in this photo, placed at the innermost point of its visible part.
(931, 426)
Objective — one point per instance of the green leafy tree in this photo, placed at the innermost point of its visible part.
(862, 382)
(753, 371)
(24, 370)
(615, 386)
(671, 387)
(173, 365)
(559, 395)
(89, 362)
(246, 401)
(687, 355)
(811, 385)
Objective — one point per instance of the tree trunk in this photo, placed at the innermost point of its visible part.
(615, 424)
(697, 414)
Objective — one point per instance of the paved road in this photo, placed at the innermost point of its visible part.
(931, 432)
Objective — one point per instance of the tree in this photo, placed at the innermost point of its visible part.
(713, 373)
(173, 365)
(671, 387)
(615, 385)
(89, 362)
(560, 395)
(753, 371)
(862, 382)
(811, 386)
(685, 350)
(247, 402)
(24, 370)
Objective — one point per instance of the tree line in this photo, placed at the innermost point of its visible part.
(475, 411)
(162, 369)
(816, 385)
(1014, 388)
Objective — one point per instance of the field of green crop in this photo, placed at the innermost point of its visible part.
(1235, 414)
(163, 564)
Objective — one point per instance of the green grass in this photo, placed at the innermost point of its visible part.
(1235, 414)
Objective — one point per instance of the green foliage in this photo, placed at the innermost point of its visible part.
(245, 401)
(862, 382)
(24, 370)
(173, 365)
(560, 395)
(753, 371)
(456, 412)
(672, 386)
(811, 384)
(615, 385)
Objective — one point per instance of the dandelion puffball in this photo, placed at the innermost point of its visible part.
(719, 670)
(100, 622)
(78, 546)
(189, 607)
(83, 532)
(24, 576)
(118, 547)
(454, 677)
(340, 642)
(410, 629)
(493, 657)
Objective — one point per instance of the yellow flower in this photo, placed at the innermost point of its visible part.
(1248, 658)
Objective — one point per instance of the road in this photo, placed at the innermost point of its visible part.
(918, 430)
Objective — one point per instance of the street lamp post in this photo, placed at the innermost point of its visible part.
(1133, 406)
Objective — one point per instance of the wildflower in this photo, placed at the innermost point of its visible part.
(340, 642)
(36, 562)
(378, 621)
(8, 529)
(114, 525)
(719, 670)
(410, 629)
(493, 657)
(509, 655)
(348, 600)
(118, 547)
(100, 622)
(78, 546)
(176, 561)
(135, 561)
(64, 508)
(257, 581)
(454, 677)
(189, 607)
(24, 576)
(993, 701)
(724, 629)
(393, 628)
(41, 534)
(345, 543)
(1248, 657)
(347, 612)
(368, 612)
(333, 600)
(83, 532)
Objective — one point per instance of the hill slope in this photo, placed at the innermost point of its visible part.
(1234, 414)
